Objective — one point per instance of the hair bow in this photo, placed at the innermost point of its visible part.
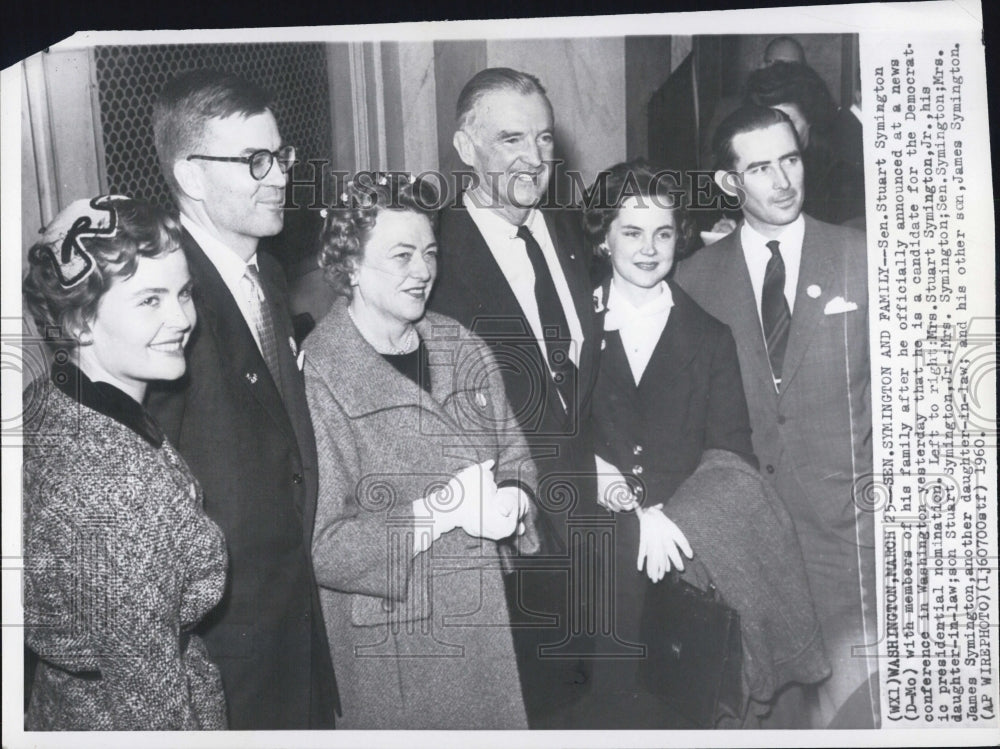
(80, 220)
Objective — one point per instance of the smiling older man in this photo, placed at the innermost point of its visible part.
(519, 277)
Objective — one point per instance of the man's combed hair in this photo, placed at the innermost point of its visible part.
(188, 102)
(746, 119)
(490, 80)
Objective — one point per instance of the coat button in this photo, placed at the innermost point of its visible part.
(637, 470)
(637, 450)
(781, 419)
(769, 468)
(297, 478)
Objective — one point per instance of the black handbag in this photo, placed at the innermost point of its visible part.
(694, 651)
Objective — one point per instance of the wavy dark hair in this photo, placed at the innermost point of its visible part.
(637, 178)
(61, 314)
(348, 224)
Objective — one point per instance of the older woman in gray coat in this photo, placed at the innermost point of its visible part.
(422, 471)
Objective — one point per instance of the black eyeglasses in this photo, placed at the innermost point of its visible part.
(260, 161)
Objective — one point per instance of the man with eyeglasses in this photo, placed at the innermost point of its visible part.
(240, 417)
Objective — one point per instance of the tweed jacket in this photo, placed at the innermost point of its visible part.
(249, 441)
(418, 642)
(120, 563)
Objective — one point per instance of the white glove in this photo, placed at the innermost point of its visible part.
(512, 499)
(661, 543)
(613, 492)
(472, 502)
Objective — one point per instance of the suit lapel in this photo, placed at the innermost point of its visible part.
(220, 315)
(677, 344)
(816, 268)
(483, 273)
(480, 269)
(292, 383)
(573, 269)
(745, 324)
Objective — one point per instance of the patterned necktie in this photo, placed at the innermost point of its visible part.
(260, 318)
(553, 318)
(774, 313)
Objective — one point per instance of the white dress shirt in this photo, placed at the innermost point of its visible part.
(757, 255)
(640, 327)
(512, 257)
(230, 266)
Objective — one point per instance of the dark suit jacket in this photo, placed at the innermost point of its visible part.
(690, 399)
(472, 289)
(252, 448)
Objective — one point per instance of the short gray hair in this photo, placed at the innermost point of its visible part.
(495, 79)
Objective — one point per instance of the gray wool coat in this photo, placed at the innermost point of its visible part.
(417, 642)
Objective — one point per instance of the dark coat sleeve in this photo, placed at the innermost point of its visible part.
(727, 426)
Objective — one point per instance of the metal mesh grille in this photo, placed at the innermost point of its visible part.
(130, 77)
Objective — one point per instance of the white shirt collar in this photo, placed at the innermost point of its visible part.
(622, 313)
(492, 225)
(757, 255)
(230, 265)
(791, 236)
(640, 328)
(508, 251)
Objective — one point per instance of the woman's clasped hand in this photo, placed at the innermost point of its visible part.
(472, 502)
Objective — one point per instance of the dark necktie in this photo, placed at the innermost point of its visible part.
(553, 318)
(774, 313)
(260, 313)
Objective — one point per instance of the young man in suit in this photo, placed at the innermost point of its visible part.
(239, 417)
(518, 276)
(794, 292)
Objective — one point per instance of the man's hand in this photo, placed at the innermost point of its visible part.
(661, 543)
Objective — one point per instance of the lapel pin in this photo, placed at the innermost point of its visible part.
(251, 377)
(292, 346)
(813, 291)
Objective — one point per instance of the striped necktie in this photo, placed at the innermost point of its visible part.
(260, 318)
(774, 312)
